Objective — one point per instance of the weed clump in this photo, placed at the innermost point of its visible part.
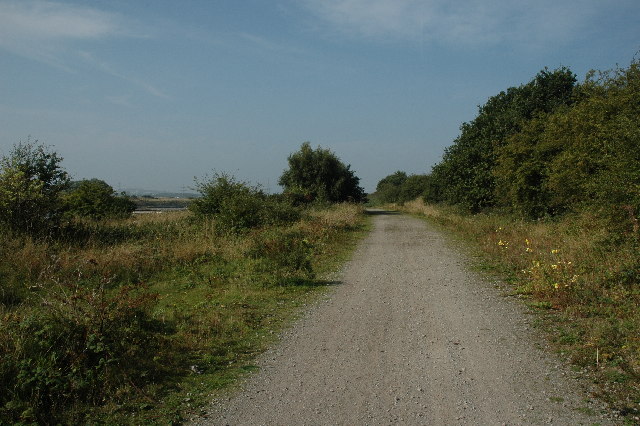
(83, 345)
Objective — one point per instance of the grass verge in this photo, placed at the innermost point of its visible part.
(143, 320)
(583, 278)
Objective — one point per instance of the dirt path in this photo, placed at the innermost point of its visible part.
(410, 337)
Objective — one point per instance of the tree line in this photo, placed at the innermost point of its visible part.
(38, 197)
(542, 149)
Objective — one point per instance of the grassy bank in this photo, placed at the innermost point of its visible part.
(583, 277)
(142, 320)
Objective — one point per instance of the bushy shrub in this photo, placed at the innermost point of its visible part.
(400, 188)
(278, 210)
(319, 175)
(465, 176)
(236, 205)
(388, 188)
(96, 199)
(31, 181)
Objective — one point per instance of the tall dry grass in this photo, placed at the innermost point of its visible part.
(584, 275)
(116, 318)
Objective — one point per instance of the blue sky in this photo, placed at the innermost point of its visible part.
(150, 93)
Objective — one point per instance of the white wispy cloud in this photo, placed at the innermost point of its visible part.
(110, 70)
(461, 21)
(266, 44)
(46, 31)
(120, 100)
(40, 30)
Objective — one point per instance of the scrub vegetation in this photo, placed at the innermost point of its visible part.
(546, 181)
(114, 318)
(578, 274)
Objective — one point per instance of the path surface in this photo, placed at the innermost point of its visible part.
(411, 336)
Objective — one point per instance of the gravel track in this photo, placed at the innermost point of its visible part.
(410, 336)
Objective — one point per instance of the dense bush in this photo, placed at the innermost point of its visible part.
(238, 205)
(31, 181)
(400, 188)
(319, 175)
(550, 147)
(586, 156)
(388, 188)
(465, 176)
(96, 199)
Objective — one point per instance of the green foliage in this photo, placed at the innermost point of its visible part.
(465, 176)
(414, 187)
(96, 199)
(396, 180)
(388, 189)
(400, 188)
(601, 156)
(583, 156)
(319, 175)
(284, 255)
(522, 170)
(82, 346)
(236, 205)
(31, 181)
(144, 318)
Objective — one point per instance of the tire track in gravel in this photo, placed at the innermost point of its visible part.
(411, 336)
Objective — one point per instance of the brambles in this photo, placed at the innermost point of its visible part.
(82, 346)
(549, 148)
(466, 175)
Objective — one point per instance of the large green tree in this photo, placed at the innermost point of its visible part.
(319, 175)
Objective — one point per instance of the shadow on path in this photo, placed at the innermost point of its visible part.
(379, 212)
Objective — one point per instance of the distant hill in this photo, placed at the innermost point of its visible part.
(139, 192)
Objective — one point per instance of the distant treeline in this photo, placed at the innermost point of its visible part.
(547, 147)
